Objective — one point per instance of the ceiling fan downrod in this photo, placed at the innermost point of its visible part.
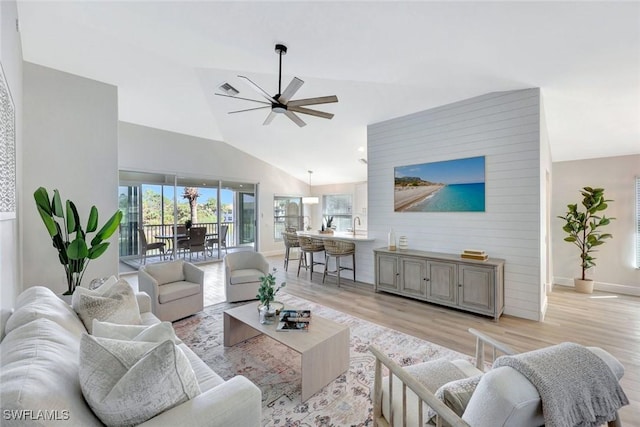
(280, 50)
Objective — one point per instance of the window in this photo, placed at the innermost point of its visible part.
(637, 221)
(287, 212)
(339, 206)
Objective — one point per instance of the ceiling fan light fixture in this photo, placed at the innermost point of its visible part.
(280, 109)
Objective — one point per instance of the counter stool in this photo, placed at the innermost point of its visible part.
(309, 245)
(338, 249)
(291, 240)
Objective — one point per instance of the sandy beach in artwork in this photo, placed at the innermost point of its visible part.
(405, 197)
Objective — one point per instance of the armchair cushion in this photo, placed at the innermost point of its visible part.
(456, 395)
(116, 303)
(167, 272)
(177, 290)
(129, 382)
(245, 276)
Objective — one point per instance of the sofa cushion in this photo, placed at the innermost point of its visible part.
(248, 275)
(166, 272)
(40, 372)
(116, 303)
(40, 302)
(129, 382)
(177, 290)
(157, 332)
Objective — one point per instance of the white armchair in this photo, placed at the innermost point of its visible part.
(176, 288)
(501, 397)
(242, 275)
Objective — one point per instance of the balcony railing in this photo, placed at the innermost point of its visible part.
(129, 238)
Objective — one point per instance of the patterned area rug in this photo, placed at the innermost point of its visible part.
(275, 369)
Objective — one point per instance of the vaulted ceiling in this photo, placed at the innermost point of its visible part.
(382, 60)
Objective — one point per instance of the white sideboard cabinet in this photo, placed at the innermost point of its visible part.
(446, 279)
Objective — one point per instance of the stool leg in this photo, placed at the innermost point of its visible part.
(354, 267)
(338, 269)
(302, 256)
(326, 265)
(286, 259)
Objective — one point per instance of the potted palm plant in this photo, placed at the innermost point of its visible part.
(583, 229)
(267, 295)
(70, 238)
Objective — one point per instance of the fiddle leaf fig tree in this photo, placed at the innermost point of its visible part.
(583, 227)
(69, 238)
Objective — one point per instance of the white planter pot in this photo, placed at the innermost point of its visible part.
(583, 286)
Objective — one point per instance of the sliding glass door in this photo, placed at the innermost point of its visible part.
(156, 204)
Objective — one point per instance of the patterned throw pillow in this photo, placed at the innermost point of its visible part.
(155, 333)
(456, 395)
(114, 303)
(129, 382)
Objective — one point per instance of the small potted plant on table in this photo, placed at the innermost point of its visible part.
(328, 229)
(267, 295)
(583, 229)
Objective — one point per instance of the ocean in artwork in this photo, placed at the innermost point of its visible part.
(453, 198)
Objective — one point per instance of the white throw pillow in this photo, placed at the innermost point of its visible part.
(114, 303)
(129, 382)
(158, 332)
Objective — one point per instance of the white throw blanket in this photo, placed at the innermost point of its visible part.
(576, 387)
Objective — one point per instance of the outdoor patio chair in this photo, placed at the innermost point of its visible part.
(220, 240)
(146, 246)
(196, 242)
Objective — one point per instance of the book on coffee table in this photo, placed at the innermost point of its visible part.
(294, 320)
(287, 326)
(295, 316)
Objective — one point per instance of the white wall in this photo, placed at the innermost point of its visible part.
(505, 128)
(153, 150)
(614, 269)
(11, 59)
(70, 144)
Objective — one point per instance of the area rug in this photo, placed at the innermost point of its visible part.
(275, 369)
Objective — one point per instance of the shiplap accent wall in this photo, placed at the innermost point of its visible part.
(505, 128)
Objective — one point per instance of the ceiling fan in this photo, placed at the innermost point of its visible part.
(281, 103)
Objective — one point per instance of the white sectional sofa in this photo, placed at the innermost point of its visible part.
(39, 365)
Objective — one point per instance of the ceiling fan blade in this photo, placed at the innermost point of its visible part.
(297, 120)
(246, 99)
(313, 101)
(269, 118)
(249, 109)
(291, 90)
(259, 89)
(311, 112)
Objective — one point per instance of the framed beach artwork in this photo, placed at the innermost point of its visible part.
(447, 186)
(7, 151)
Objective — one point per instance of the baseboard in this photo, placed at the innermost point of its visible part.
(602, 286)
(276, 252)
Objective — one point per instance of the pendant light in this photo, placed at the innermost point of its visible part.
(310, 200)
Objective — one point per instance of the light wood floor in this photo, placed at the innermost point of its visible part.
(605, 320)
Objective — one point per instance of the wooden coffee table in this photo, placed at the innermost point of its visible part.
(324, 348)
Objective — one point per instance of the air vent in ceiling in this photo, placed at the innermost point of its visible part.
(228, 89)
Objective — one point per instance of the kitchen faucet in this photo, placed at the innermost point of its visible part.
(354, 224)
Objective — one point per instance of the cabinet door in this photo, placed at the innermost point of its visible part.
(476, 288)
(413, 277)
(443, 284)
(386, 272)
